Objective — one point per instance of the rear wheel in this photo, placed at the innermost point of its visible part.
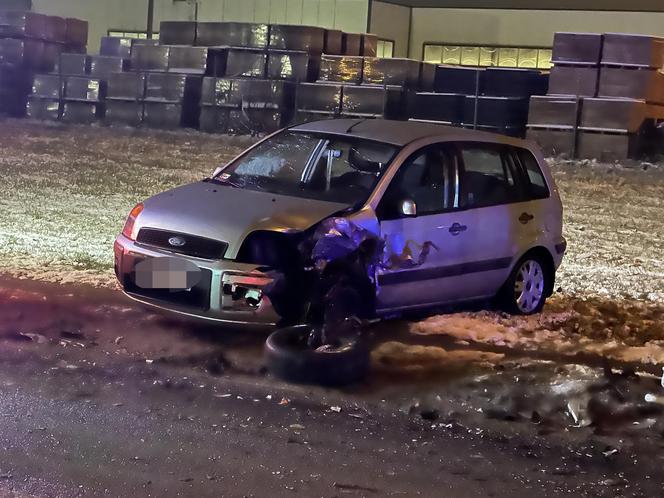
(525, 291)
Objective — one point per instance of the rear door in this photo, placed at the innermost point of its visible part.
(540, 221)
(491, 203)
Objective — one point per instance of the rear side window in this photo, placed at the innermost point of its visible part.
(487, 178)
(536, 187)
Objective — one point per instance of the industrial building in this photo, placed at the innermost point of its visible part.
(485, 32)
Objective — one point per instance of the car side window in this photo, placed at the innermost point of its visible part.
(536, 187)
(350, 170)
(487, 178)
(425, 178)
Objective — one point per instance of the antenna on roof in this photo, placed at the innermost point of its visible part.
(350, 128)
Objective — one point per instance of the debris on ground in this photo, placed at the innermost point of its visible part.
(396, 357)
(31, 336)
(72, 334)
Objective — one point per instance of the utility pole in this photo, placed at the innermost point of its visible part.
(150, 29)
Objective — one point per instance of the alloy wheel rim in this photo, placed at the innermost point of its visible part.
(529, 286)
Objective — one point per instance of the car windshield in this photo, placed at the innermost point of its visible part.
(330, 168)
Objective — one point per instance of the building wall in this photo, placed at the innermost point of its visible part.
(392, 22)
(520, 27)
(347, 15)
(464, 26)
(131, 15)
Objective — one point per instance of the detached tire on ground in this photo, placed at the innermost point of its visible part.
(288, 357)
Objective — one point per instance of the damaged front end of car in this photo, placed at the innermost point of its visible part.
(335, 292)
(329, 274)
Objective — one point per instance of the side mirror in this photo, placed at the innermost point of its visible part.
(408, 208)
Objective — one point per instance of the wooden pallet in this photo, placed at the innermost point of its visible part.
(608, 145)
(613, 115)
(554, 141)
(554, 111)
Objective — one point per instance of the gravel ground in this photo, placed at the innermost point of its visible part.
(614, 224)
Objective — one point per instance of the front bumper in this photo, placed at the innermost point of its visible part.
(229, 292)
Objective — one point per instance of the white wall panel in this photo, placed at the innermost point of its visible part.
(278, 11)
(310, 10)
(392, 22)
(294, 11)
(262, 11)
(210, 10)
(520, 27)
(326, 13)
(351, 15)
(238, 10)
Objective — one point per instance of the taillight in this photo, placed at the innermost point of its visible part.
(128, 230)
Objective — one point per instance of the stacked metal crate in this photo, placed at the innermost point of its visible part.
(605, 98)
(167, 81)
(82, 82)
(255, 91)
(554, 119)
(323, 98)
(492, 99)
(85, 80)
(362, 86)
(31, 43)
(125, 90)
(621, 122)
(45, 100)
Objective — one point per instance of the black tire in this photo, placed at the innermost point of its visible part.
(510, 297)
(288, 357)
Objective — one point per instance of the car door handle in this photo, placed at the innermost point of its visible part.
(456, 229)
(525, 218)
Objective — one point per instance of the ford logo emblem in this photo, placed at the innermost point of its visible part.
(177, 241)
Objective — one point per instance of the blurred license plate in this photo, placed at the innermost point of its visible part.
(166, 273)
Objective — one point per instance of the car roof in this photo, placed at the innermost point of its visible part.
(402, 133)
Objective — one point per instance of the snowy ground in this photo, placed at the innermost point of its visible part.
(66, 191)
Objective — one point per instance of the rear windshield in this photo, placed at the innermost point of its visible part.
(326, 167)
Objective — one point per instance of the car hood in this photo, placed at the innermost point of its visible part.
(229, 214)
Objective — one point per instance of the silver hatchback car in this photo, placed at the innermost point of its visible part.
(475, 215)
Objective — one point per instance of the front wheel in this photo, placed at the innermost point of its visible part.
(525, 291)
(289, 357)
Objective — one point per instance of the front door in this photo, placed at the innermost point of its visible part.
(425, 247)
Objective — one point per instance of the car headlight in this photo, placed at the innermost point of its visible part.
(130, 225)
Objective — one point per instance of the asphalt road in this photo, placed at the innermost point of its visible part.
(123, 429)
(99, 398)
